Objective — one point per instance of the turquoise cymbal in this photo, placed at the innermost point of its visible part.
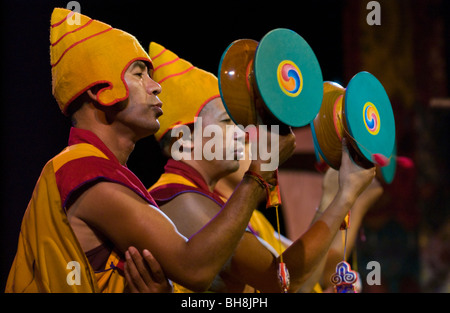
(277, 80)
(388, 172)
(369, 116)
(288, 77)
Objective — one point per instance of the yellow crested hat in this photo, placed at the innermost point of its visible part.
(86, 52)
(185, 88)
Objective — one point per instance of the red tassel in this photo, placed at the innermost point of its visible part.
(380, 159)
(321, 166)
(283, 276)
(405, 162)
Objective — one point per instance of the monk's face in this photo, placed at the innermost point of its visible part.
(142, 109)
(214, 116)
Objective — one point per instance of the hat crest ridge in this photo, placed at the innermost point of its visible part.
(79, 42)
(89, 53)
(176, 74)
(159, 54)
(71, 32)
(165, 64)
(186, 89)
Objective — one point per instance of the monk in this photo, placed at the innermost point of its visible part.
(88, 208)
(187, 192)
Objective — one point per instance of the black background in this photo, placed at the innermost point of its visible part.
(32, 128)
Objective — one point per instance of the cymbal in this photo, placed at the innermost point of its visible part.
(327, 127)
(277, 80)
(288, 77)
(387, 173)
(363, 114)
(236, 88)
(369, 117)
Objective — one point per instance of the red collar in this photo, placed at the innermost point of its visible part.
(191, 174)
(78, 135)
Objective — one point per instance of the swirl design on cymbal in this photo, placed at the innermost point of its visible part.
(289, 78)
(371, 118)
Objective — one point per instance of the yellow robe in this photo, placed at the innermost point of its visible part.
(49, 257)
(47, 245)
(176, 182)
(181, 178)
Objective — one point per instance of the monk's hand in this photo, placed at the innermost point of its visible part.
(144, 274)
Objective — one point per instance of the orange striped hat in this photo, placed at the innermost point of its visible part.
(89, 53)
(185, 88)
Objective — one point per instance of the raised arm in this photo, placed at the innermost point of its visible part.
(127, 220)
(305, 254)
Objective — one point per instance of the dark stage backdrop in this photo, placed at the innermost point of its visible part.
(32, 128)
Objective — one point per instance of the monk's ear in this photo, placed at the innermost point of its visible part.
(92, 94)
(93, 91)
